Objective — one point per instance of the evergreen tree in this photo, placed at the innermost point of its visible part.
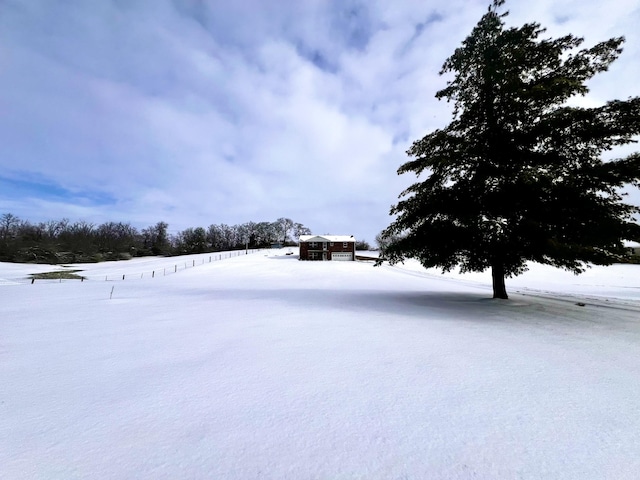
(517, 175)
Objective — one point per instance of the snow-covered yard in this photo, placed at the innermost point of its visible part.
(263, 367)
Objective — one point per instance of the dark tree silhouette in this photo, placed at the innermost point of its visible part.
(517, 175)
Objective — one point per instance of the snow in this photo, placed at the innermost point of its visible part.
(261, 366)
(327, 238)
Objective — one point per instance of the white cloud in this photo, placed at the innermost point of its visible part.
(199, 112)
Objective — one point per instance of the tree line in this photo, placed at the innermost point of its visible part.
(64, 241)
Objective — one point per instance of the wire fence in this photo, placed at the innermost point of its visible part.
(160, 268)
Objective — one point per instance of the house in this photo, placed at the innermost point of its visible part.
(633, 249)
(327, 247)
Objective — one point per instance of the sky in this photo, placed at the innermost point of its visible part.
(200, 112)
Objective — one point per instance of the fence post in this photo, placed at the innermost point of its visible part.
(175, 269)
(153, 274)
(123, 277)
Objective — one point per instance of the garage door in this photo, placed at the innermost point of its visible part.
(348, 256)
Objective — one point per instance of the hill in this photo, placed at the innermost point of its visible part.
(261, 366)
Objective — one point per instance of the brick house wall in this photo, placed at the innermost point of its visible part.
(323, 247)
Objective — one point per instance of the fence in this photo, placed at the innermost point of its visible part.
(161, 268)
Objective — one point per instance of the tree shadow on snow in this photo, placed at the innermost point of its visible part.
(418, 304)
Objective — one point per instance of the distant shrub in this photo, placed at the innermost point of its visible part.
(35, 255)
(64, 257)
(97, 257)
(362, 245)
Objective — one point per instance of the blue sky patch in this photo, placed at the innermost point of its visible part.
(316, 57)
(17, 188)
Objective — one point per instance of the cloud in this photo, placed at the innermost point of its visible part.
(197, 112)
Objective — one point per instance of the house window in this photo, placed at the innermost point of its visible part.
(313, 255)
(313, 244)
(332, 244)
(345, 245)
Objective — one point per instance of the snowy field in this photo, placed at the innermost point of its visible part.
(263, 367)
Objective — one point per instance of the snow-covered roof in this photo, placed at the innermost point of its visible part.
(327, 238)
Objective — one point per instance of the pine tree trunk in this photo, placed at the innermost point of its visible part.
(497, 274)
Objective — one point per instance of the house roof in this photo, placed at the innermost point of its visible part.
(327, 238)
